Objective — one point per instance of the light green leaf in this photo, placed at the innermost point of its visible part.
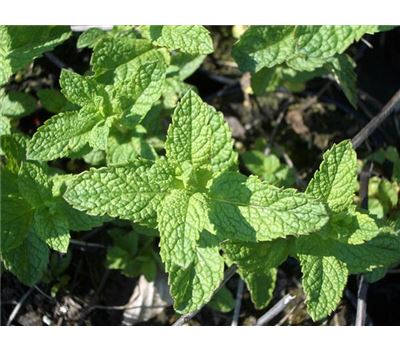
(131, 192)
(336, 178)
(123, 148)
(342, 67)
(29, 260)
(257, 263)
(222, 301)
(111, 52)
(79, 89)
(351, 227)
(261, 286)
(62, 134)
(302, 48)
(90, 37)
(141, 88)
(184, 65)
(16, 104)
(247, 209)
(199, 134)
(181, 218)
(188, 39)
(34, 184)
(54, 101)
(22, 44)
(193, 287)
(324, 279)
(16, 220)
(52, 227)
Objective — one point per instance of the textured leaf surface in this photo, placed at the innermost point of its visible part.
(336, 178)
(192, 287)
(111, 52)
(16, 104)
(16, 219)
(324, 279)
(257, 263)
(22, 44)
(300, 47)
(34, 184)
(249, 210)
(131, 192)
(181, 218)
(222, 301)
(61, 135)
(342, 67)
(79, 89)
(261, 286)
(141, 86)
(29, 260)
(189, 39)
(199, 134)
(52, 227)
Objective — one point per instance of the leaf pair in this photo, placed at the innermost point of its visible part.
(279, 54)
(196, 199)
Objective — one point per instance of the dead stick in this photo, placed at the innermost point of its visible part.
(238, 304)
(275, 310)
(368, 129)
(361, 312)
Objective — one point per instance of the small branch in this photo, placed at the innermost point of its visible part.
(86, 244)
(368, 129)
(238, 304)
(55, 60)
(275, 310)
(361, 312)
(17, 307)
(186, 318)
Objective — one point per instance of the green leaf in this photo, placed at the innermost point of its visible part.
(247, 209)
(324, 279)
(131, 192)
(34, 184)
(336, 178)
(111, 52)
(222, 301)
(17, 104)
(302, 48)
(181, 218)
(188, 39)
(375, 275)
(342, 67)
(90, 37)
(79, 89)
(351, 227)
(198, 134)
(54, 101)
(257, 263)
(29, 260)
(123, 148)
(184, 65)
(16, 219)
(62, 134)
(53, 228)
(193, 287)
(22, 44)
(14, 148)
(261, 286)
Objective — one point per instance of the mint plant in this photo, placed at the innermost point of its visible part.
(34, 215)
(196, 199)
(295, 54)
(183, 190)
